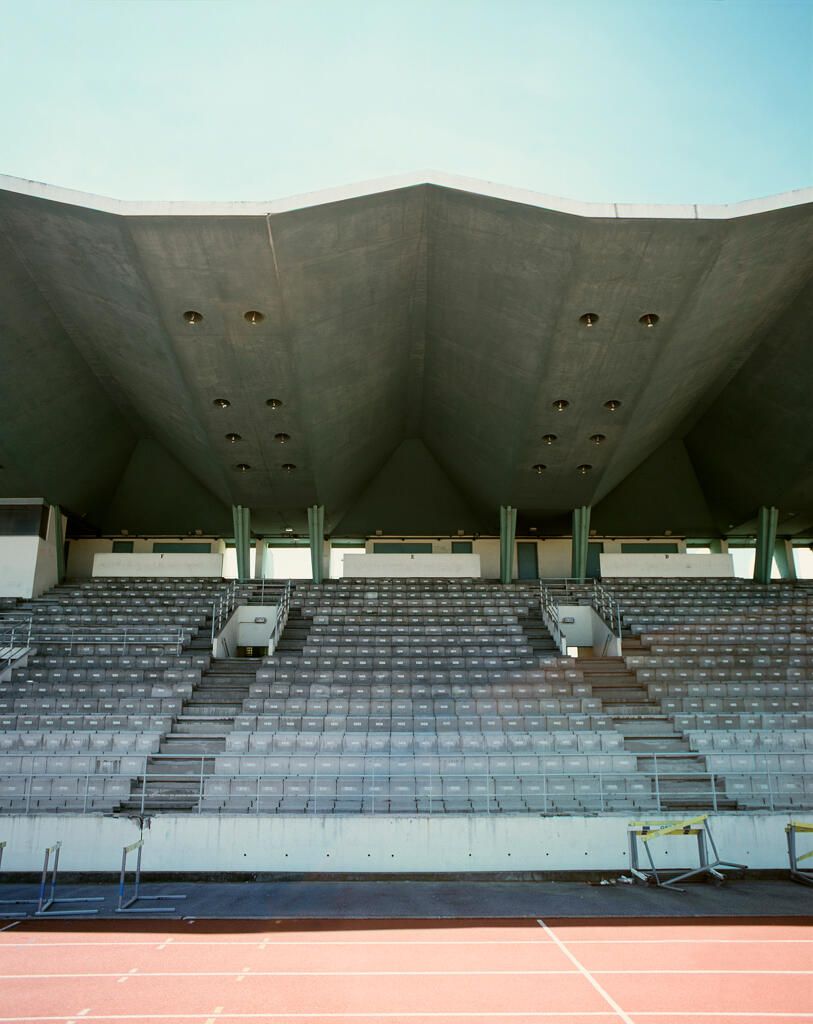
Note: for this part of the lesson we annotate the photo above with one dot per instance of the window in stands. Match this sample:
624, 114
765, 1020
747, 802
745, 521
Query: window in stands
122, 547
406, 548
461, 547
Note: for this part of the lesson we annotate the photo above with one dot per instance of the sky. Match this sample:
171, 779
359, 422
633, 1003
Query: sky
705, 101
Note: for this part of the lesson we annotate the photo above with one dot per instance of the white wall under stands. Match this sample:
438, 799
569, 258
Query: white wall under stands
370, 842
656, 565
28, 565
157, 565
397, 566
588, 629
243, 629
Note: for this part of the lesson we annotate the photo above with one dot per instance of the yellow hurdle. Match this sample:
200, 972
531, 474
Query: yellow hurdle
791, 831
645, 831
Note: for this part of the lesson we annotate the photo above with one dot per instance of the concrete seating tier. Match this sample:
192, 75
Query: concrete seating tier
101, 687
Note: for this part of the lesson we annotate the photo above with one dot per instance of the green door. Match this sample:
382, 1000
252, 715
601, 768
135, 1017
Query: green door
593, 562
527, 567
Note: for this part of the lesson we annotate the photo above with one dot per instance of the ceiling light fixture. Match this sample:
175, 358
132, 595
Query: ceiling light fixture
288, 529
598, 438
289, 467
584, 469
549, 438
539, 468
253, 317
648, 319
612, 405
282, 438
243, 467
561, 404
192, 317
274, 403
233, 438
588, 319
222, 403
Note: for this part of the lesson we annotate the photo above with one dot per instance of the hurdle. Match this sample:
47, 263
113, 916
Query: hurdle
126, 906
9, 903
45, 903
646, 831
803, 875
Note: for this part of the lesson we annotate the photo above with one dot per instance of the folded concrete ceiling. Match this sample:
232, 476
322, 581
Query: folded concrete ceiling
442, 312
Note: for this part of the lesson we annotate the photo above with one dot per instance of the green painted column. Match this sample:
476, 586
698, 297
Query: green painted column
316, 532
508, 531
581, 539
59, 541
766, 542
242, 539
783, 553
260, 548
716, 546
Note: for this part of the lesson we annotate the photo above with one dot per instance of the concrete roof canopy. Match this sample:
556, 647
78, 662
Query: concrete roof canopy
417, 332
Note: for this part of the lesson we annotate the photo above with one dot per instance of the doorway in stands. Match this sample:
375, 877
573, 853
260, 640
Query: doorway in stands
527, 565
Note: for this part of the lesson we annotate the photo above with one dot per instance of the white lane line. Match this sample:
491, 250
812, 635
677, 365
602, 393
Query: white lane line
211, 1020
239, 975
76, 1016
408, 942
165, 943
587, 975
282, 1016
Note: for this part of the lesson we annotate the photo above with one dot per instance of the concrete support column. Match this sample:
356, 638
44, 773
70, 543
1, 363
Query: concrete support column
766, 542
242, 539
316, 532
508, 531
718, 546
59, 541
783, 553
581, 538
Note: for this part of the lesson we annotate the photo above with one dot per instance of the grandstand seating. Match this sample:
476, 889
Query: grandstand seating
410, 696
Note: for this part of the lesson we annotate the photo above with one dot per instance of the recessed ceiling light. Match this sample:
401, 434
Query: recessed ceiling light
532, 529
598, 438
561, 404
549, 438
222, 403
282, 438
275, 403
243, 467
288, 529
584, 468
648, 319
233, 438
612, 405
253, 317
192, 317
588, 319
289, 467
539, 467
198, 533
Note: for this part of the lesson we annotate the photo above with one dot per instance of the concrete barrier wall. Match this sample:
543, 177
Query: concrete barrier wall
446, 843
667, 565
157, 565
398, 566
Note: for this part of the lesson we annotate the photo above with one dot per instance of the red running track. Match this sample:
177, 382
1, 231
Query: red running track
556, 971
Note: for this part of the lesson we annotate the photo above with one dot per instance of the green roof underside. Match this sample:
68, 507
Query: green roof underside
417, 337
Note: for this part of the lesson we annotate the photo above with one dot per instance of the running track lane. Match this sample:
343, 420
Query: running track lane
651, 971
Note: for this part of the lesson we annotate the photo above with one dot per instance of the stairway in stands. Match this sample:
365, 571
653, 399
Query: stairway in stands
646, 729
537, 633
206, 718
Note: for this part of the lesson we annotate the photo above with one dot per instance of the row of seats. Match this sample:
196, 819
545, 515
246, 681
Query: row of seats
561, 742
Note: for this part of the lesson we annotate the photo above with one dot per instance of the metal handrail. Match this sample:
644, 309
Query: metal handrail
549, 608
15, 634
374, 770
71, 636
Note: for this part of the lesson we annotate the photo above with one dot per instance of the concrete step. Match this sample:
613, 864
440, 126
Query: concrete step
654, 745
202, 725
209, 743
649, 725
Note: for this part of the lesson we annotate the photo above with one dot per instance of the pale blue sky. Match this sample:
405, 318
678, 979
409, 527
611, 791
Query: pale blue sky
620, 100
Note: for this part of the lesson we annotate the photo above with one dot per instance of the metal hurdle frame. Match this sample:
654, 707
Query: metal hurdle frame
699, 827
8, 903
803, 875
44, 903
125, 906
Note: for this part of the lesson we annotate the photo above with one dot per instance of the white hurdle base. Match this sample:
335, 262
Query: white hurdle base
126, 905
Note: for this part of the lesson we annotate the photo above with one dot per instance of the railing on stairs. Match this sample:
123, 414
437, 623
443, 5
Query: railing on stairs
15, 638
582, 591
253, 592
549, 607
